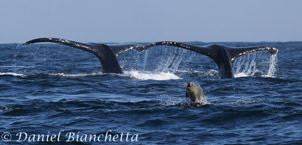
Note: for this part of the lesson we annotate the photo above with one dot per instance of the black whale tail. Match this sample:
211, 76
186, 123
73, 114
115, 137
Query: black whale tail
75, 44
106, 54
222, 55
239, 51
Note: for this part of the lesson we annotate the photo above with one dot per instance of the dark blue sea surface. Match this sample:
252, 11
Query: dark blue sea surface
52, 88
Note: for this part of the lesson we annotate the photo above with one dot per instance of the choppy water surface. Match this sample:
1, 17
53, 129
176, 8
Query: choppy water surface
48, 88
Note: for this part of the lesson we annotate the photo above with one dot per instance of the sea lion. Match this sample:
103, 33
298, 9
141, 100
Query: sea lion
196, 95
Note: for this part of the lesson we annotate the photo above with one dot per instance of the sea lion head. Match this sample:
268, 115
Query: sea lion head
195, 93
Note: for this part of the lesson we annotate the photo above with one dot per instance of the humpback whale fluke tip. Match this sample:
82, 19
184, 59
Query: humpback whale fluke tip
274, 50
26, 43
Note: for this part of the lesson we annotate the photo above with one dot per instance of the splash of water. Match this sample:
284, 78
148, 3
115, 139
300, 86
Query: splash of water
272, 66
141, 75
145, 59
151, 75
172, 58
177, 60
249, 65
245, 66
168, 58
252, 66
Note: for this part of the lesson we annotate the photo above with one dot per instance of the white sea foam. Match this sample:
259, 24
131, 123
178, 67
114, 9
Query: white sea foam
75, 75
241, 74
240, 102
11, 74
152, 75
209, 73
141, 75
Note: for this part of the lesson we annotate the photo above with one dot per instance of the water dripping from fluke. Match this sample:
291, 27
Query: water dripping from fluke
272, 66
255, 65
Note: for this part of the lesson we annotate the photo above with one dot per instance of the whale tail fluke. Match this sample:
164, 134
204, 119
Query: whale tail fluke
222, 55
239, 51
203, 50
65, 42
117, 49
123, 48
103, 52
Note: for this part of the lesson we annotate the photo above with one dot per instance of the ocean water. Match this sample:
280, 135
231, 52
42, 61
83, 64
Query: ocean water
55, 90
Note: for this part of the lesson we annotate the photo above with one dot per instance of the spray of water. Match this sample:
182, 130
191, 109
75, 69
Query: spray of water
272, 66
250, 65
168, 58
152, 75
178, 60
145, 59
171, 58
166, 61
